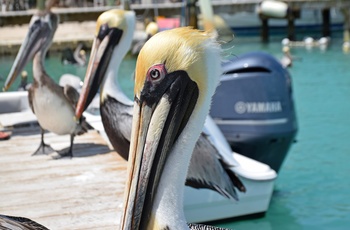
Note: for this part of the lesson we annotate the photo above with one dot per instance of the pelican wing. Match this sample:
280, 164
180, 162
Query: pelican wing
30, 98
71, 94
208, 170
117, 120
20, 223
72, 97
125, 126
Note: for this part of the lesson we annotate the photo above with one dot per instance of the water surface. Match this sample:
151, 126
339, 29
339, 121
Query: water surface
312, 189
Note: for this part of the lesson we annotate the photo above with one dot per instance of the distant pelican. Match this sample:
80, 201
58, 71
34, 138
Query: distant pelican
52, 104
115, 28
77, 57
24, 85
177, 72
287, 58
151, 29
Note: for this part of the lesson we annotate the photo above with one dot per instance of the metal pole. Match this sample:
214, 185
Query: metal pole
126, 4
40, 4
207, 15
191, 14
291, 29
264, 29
326, 21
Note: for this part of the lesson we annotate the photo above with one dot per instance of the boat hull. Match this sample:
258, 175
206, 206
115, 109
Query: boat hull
203, 205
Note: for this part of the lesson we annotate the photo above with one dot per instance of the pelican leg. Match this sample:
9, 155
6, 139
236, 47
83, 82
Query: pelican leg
43, 149
68, 153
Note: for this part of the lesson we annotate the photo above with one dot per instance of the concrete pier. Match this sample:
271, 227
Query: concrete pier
294, 9
68, 35
164, 7
11, 37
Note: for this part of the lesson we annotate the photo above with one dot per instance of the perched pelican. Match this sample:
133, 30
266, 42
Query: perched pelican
176, 74
113, 38
114, 32
151, 29
52, 104
24, 85
77, 57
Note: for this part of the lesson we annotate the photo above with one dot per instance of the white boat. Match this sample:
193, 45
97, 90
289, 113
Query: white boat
201, 205
205, 205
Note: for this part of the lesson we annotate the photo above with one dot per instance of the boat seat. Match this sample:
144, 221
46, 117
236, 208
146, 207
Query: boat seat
15, 109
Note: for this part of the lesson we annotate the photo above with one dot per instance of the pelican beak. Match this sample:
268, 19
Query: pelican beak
101, 53
160, 114
33, 42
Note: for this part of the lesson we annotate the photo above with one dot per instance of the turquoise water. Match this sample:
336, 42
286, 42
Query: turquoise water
312, 189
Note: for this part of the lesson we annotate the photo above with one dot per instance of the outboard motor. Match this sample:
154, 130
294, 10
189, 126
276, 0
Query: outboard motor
254, 108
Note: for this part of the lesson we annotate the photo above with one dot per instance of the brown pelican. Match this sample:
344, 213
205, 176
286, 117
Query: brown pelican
52, 104
209, 169
176, 74
113, 38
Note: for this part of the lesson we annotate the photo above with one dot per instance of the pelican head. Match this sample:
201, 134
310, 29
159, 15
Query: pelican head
176, 74
152, 28
42, 27
114, 31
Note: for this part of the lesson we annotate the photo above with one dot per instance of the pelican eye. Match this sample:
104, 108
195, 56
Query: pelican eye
156, 72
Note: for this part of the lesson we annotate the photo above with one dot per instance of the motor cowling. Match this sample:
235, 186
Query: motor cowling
254, 108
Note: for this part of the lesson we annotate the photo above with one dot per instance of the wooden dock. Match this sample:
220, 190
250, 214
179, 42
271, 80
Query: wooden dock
85, 192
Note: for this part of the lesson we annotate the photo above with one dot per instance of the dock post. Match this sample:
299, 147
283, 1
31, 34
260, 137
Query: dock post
40, 4
191, 14
346, 28
264, 29
346, 32
293, 13
326, 32
291, 28
126, 4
